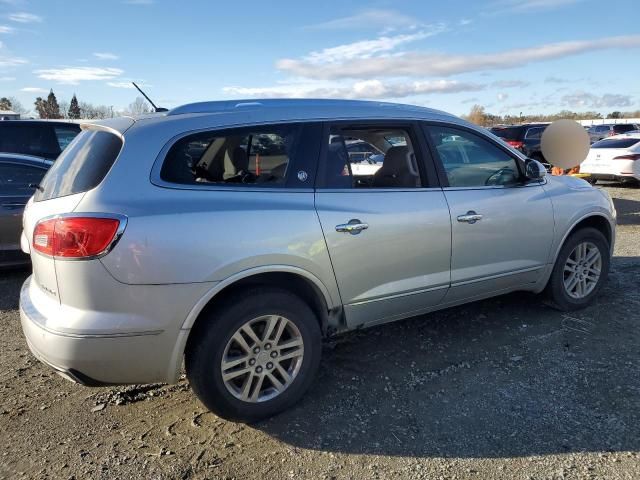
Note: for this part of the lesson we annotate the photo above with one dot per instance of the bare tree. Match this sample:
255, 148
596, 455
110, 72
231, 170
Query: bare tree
17, 107
138, 107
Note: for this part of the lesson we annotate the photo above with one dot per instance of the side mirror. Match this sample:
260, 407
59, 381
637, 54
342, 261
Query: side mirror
534, 170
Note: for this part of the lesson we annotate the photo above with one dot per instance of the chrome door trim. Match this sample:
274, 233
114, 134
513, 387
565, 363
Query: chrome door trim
499, 275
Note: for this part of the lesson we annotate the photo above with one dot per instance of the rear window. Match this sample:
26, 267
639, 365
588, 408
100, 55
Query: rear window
39, 139
82, 165
508, 133
623, 128
616, 143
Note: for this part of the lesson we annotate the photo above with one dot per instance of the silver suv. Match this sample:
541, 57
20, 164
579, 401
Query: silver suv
235, 235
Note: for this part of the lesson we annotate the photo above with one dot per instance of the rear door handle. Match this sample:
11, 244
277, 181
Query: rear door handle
470, 217
354, 227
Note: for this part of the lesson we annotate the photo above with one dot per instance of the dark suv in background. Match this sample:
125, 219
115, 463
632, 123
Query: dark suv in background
525, 138
39, 138
599, 132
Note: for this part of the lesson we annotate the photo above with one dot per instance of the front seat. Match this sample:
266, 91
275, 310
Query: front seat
397, 170
238, 171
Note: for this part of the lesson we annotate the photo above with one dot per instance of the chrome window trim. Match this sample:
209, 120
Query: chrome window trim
123, 219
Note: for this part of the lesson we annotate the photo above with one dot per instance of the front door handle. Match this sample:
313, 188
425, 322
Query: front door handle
470, 217
354, 227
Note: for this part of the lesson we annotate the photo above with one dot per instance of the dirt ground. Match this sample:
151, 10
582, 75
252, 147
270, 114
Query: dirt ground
503, 388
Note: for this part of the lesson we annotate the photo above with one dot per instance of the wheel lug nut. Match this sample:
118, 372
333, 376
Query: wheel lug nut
267, 346
256, 350
274, 354
252, 362
269, 365
258, 369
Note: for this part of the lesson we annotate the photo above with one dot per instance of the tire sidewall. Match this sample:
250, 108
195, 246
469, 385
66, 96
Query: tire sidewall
558, 291
204, 364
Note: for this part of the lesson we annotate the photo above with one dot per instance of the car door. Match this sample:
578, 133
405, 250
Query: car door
15, 192
388, 231
502, 226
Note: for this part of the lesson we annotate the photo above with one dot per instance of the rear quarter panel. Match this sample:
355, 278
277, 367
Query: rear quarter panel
179, 235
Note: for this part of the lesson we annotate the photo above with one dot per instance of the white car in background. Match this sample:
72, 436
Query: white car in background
614, 158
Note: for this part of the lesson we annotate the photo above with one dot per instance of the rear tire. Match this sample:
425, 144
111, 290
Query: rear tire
240, 336
580, 270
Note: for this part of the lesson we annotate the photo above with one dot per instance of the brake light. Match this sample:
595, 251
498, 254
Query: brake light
612, 133
76, 237
515, 143
631, 156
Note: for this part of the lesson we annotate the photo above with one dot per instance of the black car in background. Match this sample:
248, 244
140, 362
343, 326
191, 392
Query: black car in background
19, 176
40, 138
525, 138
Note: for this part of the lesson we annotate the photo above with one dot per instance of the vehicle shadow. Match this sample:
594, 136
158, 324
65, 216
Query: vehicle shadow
11, 280
499, 378
628, 211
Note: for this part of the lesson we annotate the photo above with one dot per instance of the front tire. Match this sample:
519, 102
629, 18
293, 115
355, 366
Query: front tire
255, 355
580, 270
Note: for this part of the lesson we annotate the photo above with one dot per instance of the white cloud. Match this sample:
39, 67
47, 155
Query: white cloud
370, 18
510, 83
6, 29
367, 89
465, 21
74, 75
589, 100
138, 2
24, 17
531, 5
430, 64
127, 84
552, 79
7, 62
367, 48
470, 100
34, 90
7, 79
106, 55
502, 97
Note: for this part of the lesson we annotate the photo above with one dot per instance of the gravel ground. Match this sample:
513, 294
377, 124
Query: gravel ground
503, 388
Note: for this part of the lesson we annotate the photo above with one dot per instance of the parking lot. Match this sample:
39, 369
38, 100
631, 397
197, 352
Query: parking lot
503, 388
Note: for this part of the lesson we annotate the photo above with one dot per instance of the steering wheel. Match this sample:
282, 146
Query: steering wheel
496, 177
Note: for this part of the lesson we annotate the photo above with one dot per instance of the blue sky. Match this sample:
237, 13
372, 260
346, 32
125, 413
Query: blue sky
511, 56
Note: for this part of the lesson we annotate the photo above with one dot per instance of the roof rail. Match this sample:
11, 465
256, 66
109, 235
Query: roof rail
228, 105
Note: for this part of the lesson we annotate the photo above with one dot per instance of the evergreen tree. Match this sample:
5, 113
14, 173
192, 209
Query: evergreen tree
74, 108
53, 109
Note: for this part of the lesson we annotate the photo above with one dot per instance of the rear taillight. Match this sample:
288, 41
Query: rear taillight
631, 156
612, 133
77, 236
515, 143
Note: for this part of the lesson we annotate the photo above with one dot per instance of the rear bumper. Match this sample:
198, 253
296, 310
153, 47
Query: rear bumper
613, 177
96, 359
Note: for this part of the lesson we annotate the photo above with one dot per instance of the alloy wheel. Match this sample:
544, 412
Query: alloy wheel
582, 270
262, 358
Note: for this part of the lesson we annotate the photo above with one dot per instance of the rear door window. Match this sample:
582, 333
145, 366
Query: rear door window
534, 133
82, 166
257, 156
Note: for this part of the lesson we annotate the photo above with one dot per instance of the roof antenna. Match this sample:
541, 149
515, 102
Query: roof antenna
157, 109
